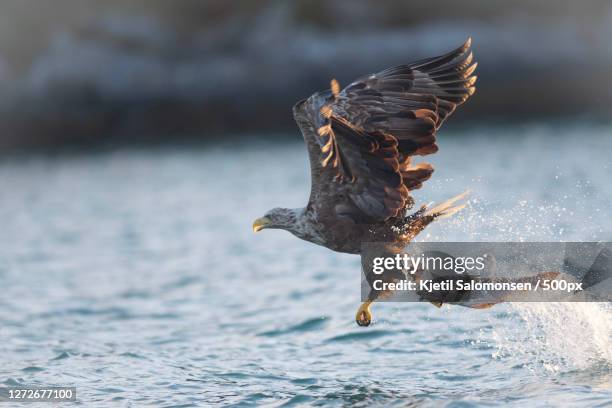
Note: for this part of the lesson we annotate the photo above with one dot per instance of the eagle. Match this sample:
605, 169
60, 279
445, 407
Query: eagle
362, 141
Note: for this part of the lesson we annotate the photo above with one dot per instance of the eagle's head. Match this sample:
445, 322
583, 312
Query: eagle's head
279, 218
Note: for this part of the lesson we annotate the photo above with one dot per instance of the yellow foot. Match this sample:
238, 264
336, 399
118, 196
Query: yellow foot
364, 316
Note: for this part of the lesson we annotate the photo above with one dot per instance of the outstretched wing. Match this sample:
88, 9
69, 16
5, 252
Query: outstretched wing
363, 137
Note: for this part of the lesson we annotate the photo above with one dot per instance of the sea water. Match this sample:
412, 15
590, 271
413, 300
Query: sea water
134, 275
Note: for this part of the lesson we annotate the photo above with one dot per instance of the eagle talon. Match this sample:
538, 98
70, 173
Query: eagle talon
364, 316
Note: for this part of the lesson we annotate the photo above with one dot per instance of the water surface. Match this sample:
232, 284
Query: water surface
134, 275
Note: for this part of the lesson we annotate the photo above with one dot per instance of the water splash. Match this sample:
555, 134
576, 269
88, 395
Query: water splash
556, 337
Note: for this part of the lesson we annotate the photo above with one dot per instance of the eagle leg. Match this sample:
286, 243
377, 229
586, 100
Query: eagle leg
363, 317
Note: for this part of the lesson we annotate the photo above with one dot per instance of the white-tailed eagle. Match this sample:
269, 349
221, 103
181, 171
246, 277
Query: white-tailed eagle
361, 143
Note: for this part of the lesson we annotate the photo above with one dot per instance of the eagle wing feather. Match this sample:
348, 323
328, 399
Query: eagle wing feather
362, 138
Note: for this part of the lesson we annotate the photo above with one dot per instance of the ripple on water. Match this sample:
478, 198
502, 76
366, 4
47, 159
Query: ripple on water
130, 354
305, 326
447, 376
32, 369
297, 400
304, 381
61, 356
361, 335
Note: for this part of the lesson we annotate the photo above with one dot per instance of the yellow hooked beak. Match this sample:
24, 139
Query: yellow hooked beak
260, 223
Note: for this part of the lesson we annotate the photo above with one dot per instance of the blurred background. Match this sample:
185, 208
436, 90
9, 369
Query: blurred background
139, 139
83, 72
